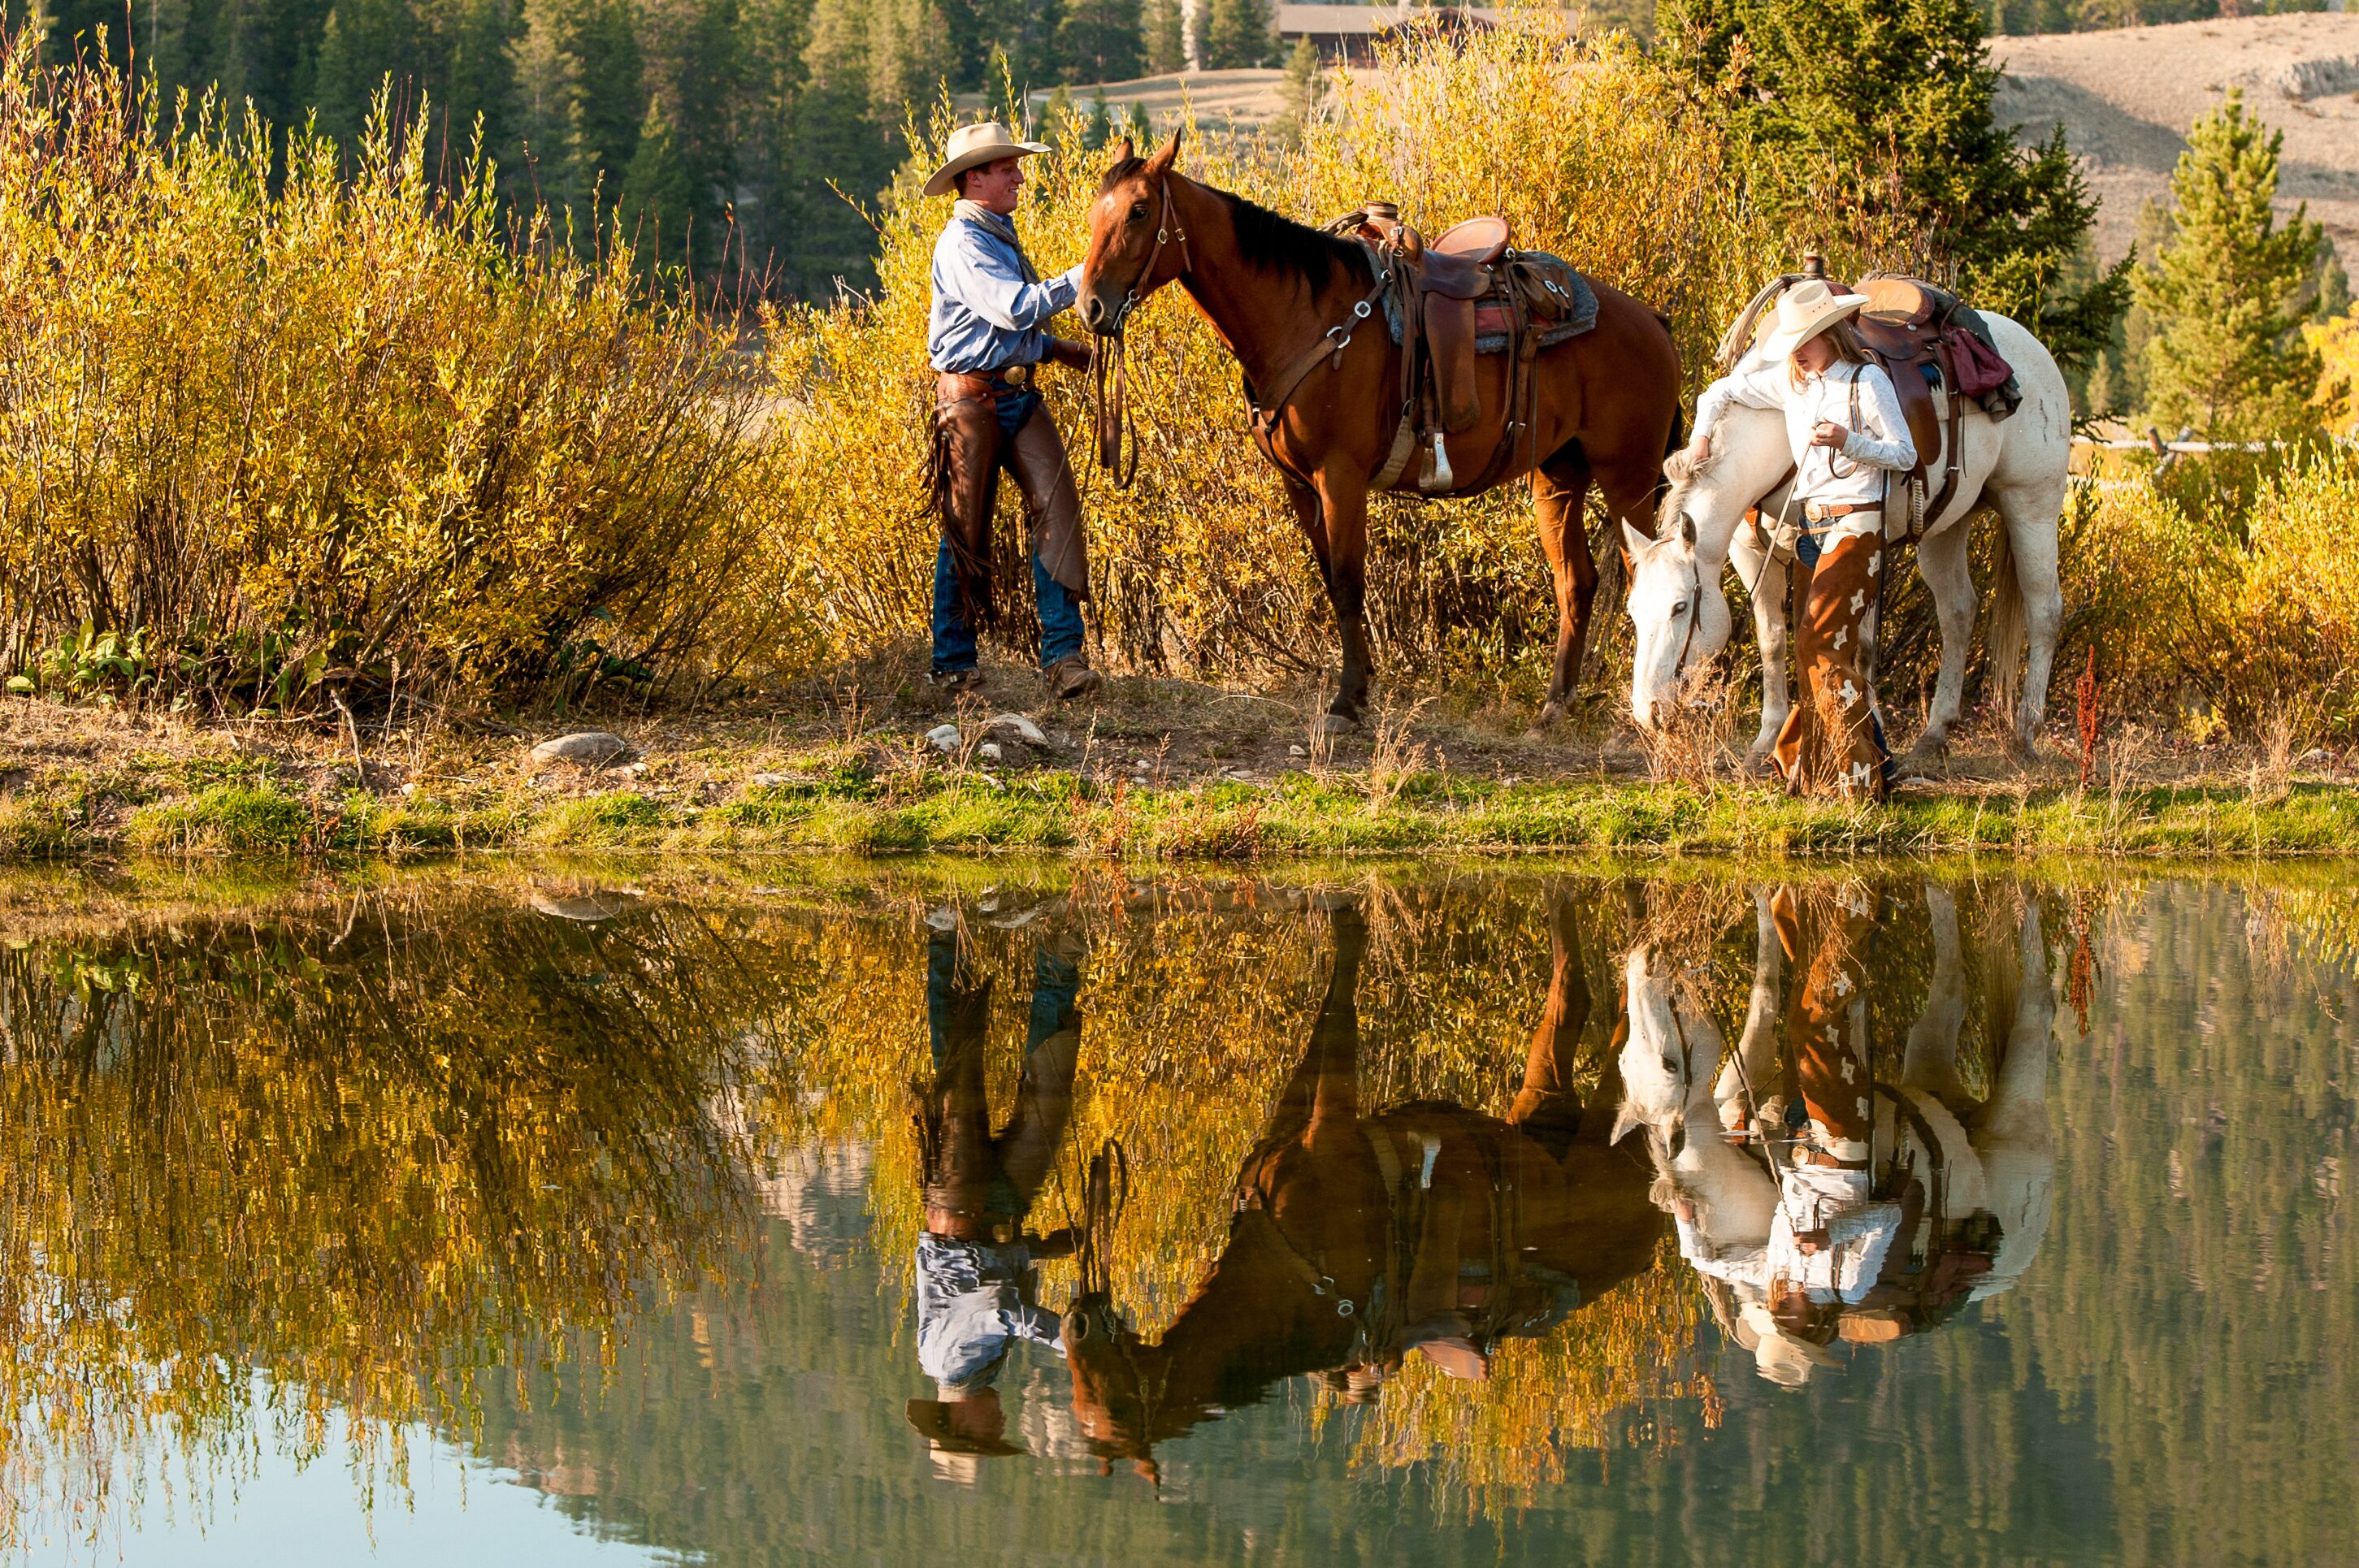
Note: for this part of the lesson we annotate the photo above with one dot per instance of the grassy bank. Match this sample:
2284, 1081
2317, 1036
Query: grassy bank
1143, 776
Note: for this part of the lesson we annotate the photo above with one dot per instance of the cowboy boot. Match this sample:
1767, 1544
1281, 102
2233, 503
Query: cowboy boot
1072, 677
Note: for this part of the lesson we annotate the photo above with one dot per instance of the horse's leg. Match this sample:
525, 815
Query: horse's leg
1547, 1105
1931, 1061
1766, 576
1559, 494
1756, 1057
1334, 1061
1941, 563
2010, 1132
2030, 512
1343, 508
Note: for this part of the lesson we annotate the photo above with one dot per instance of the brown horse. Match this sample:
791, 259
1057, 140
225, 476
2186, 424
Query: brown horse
1355, 1239
1604, 403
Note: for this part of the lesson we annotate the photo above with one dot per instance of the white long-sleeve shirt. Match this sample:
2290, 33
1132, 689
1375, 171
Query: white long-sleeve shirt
1879, 439
1860, 1232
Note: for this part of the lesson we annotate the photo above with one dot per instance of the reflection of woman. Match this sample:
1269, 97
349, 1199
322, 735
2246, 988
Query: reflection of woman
1895, 1204
976, 1282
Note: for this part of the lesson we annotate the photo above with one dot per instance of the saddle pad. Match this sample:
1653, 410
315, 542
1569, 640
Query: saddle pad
1579, 319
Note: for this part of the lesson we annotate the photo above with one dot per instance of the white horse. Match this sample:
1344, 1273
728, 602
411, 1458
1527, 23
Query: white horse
2017, 465
1668, 1065
1993, 1156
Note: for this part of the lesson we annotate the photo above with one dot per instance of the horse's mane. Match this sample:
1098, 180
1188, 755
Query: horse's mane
1269, 241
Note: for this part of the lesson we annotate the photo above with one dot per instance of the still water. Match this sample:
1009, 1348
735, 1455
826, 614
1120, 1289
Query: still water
1315, 1217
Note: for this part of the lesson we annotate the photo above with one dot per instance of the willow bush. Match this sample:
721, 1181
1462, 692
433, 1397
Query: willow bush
274, 412
2246, 617
1200, 567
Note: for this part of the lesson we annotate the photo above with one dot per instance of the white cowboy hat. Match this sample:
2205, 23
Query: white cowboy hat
1786, 1359
1804, 311
972, 146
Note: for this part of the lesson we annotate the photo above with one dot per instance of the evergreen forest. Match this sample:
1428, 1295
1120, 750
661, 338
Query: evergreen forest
735, 133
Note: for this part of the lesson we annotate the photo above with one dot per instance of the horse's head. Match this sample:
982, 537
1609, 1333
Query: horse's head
1115, 1389
1678, 612
1135, 242
1659, 1065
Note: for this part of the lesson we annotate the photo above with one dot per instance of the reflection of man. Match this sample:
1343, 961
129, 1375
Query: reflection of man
976, 1282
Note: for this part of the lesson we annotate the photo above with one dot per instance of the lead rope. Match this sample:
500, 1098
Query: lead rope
1110, 385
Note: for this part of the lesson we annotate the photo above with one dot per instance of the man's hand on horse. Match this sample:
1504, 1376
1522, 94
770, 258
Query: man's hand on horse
1070, 354
1829, 433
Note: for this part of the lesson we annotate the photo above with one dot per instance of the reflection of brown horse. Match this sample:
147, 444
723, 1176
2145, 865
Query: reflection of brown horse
1355, 1240
1604, 404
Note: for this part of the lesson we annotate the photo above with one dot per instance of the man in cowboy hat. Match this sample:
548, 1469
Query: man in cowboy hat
985, 337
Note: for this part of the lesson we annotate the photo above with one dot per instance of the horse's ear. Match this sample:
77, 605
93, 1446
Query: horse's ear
1124, 152
1165, 156
1687, 531
1633, 543
1624, 1119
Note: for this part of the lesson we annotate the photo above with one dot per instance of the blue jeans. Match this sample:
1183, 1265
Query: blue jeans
1060, 611
1060, 618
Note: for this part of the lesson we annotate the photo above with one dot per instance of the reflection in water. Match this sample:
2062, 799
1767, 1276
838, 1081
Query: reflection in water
1481, 1196
1817, 1201
1358, 1239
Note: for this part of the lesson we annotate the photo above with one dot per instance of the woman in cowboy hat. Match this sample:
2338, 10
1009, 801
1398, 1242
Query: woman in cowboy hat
986, 338
1844, 421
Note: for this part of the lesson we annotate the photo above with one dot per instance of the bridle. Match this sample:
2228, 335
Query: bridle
1110, 389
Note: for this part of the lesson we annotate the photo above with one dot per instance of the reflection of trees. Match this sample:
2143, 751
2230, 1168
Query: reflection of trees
371, 1162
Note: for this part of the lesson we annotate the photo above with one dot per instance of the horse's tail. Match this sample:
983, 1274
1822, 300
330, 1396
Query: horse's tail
2004, 644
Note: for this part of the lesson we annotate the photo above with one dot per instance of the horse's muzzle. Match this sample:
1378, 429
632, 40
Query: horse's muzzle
1094, 314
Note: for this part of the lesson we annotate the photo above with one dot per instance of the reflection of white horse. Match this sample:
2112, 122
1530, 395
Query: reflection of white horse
2017, 465
1993, 1156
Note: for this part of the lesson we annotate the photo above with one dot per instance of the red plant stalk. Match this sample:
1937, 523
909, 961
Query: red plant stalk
2091, 715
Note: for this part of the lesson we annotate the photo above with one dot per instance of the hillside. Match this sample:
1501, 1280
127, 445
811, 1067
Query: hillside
2125, 98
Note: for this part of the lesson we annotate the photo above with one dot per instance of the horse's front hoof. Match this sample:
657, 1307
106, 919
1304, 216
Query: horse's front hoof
1333, 724
1552, 714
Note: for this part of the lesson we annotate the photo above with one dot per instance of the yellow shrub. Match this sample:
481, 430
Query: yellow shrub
280, 424
2258, 622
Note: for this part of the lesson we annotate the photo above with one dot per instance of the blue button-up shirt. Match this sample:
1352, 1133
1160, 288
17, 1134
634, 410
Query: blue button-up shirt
986, 317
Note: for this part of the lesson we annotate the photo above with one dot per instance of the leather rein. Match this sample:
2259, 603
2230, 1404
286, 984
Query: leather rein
1110, 387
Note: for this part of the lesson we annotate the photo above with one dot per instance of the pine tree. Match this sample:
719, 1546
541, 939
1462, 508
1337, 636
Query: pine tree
2101, 398
842, 147
656, 208
366, 47
1099, 130
1306, 81
1239, 34
1100, 41
543, 155
1166, 38
610, 93
2231, 290
1880, 109
481, 82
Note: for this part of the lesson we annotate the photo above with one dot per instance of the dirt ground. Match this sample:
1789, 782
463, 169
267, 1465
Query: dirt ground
1142, 732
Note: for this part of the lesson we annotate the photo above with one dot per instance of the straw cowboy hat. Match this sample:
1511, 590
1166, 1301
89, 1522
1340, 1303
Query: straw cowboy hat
972, 146
1804, 311
934, 1418
1786, 1359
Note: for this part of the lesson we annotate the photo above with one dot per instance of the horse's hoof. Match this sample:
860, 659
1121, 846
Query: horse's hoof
1552, 715
2022, 753
1333, 724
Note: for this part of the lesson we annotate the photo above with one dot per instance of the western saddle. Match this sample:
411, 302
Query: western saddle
1926, 337
1446, 301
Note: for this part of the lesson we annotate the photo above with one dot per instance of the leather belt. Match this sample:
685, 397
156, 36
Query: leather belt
1818, 513
951, 385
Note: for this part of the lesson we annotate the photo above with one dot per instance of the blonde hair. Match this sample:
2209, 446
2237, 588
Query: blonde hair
1843, 336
